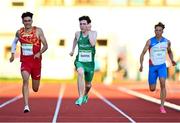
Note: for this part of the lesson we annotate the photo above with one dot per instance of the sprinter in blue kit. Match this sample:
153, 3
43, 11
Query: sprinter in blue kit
158, 47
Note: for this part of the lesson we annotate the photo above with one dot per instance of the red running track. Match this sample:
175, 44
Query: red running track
55, 103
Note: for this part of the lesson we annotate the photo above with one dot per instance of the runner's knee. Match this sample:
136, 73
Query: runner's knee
162, 83
35, 89
35, 85
152, 88
80, 71
88, 85
25, 82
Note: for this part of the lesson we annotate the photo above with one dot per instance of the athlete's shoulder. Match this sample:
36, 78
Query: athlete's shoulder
77, 34
20, 30
37, 28
148, 42
165, 39
94, 32
168, 42
152, 38
17, 33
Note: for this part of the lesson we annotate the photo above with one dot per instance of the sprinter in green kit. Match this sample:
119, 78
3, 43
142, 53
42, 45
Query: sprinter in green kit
84, 63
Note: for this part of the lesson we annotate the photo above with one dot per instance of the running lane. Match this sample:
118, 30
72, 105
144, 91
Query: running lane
139, 109
94, 111
42, 105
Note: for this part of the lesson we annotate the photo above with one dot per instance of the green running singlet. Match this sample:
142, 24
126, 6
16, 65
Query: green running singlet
85, 57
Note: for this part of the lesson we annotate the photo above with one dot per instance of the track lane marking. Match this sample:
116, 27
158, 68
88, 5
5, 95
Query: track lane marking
10, 101
148, 98
112, 105
14, 99
61, 93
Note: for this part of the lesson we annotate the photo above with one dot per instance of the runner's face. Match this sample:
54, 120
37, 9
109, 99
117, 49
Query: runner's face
89, 27
83, 25
158, 31
27, 21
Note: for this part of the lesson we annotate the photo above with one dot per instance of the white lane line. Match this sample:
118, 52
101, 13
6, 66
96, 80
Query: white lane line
13, 99
112, 105
10, 101
61, 93
148, 98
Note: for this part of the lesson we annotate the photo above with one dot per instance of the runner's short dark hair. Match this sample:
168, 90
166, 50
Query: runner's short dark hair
85, 18
160, 24
27, 14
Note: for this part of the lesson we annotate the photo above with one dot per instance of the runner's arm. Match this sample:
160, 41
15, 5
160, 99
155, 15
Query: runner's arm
43, 40
92, 37
14, 43
13, 47
77, 34
146, 47
170, 53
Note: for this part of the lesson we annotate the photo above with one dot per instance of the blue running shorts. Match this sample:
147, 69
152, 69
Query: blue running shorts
156, 71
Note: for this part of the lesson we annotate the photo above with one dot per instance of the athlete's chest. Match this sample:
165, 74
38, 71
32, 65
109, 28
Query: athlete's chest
159, 46
83, 42
29, 37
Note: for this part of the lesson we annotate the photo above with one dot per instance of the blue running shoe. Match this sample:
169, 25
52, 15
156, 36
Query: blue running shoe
79, 101
85, 98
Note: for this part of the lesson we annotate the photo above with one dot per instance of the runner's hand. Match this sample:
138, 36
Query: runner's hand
141, 68
71, 53
173, 63
11, 59
37, 55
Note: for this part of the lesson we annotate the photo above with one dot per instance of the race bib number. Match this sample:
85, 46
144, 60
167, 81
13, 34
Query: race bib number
158, 56
27, 49
85, 56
